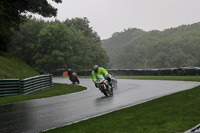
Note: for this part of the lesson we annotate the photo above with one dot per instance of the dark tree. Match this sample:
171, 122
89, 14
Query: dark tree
13, 13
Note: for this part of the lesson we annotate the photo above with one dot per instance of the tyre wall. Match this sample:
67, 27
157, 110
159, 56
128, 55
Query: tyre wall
182, 71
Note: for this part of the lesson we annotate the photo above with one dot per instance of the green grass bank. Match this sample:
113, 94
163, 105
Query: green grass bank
12, 67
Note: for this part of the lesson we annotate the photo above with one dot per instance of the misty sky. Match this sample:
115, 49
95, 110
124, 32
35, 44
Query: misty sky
110, 16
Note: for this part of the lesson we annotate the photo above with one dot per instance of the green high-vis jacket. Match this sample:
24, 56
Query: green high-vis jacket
101, 72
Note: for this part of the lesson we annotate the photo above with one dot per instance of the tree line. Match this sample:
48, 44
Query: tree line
48, 46
137, 49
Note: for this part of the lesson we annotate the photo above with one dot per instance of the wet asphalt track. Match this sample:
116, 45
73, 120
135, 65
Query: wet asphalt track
42, 114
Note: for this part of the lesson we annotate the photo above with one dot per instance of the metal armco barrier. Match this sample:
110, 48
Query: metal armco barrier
24, 86
182, 71
9, 87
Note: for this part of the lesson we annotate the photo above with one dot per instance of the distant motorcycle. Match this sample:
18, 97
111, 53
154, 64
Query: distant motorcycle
104, 86
74, 78
113, 80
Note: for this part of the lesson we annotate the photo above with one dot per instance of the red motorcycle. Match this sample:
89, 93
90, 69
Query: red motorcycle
74, 78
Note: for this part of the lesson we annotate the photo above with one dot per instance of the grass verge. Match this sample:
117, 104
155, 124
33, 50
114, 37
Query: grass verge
57, 89
169, 114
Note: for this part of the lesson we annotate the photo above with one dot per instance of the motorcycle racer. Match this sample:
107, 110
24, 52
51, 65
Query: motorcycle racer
71, 74
98, 72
